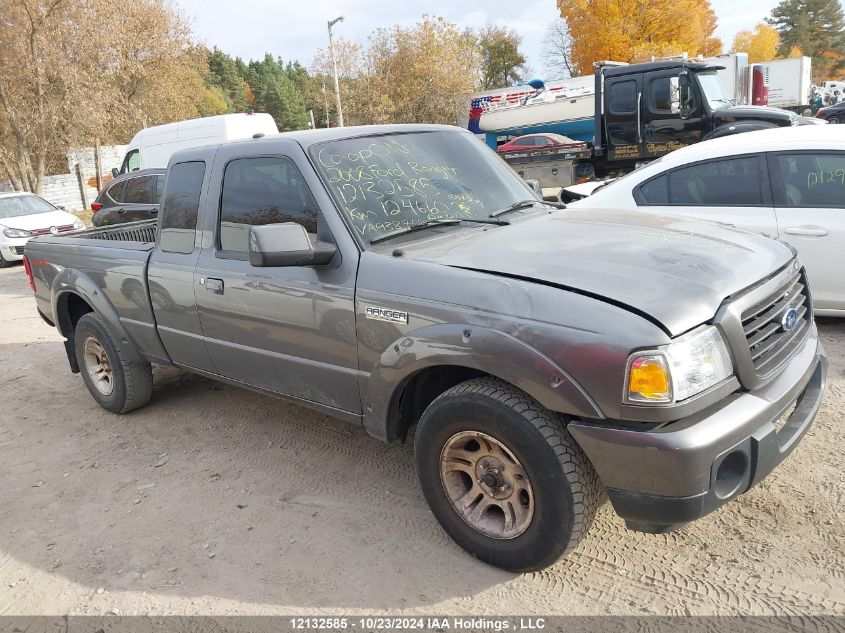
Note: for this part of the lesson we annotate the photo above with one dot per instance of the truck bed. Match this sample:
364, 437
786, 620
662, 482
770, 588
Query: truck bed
143, 232
108, 265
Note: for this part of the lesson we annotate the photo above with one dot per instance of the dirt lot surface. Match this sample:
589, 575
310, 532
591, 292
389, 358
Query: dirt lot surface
214, 500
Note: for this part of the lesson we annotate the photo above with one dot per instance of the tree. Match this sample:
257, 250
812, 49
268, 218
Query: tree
422, 73
633, 30
818, 28
557, 51
66, 80
761, 44
275, 93
501, 62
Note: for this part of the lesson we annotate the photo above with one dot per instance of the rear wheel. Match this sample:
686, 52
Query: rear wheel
834, 120
503, 476
117, 384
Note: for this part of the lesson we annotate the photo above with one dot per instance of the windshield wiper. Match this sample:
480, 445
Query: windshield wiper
524, 204
430, 223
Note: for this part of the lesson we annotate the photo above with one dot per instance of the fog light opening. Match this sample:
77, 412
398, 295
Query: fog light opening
730, 474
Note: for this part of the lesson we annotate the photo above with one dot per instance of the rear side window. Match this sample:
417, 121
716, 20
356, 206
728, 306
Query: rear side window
730, 182
812, 180
116, 191
178, 216
623, 97
138, 191
259, 191
159, 188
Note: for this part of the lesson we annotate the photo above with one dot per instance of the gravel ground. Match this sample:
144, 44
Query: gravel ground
215, 500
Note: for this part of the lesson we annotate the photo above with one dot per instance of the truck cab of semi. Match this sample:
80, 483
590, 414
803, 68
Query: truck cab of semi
647, 110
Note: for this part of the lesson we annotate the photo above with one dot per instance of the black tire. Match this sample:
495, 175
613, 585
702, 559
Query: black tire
4, 263
565, 487
132, 383
834, 120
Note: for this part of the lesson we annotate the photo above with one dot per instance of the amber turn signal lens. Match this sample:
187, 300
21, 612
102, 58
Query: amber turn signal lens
648, 380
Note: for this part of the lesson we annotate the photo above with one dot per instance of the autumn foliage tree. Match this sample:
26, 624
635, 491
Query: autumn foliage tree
65, 79
423, 73
761, 44
635, 30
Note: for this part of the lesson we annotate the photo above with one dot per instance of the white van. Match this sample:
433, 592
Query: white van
153, 146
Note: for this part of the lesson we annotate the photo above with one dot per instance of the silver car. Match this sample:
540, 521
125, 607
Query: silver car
786, 183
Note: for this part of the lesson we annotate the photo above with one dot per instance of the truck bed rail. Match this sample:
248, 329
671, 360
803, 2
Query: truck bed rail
143, 231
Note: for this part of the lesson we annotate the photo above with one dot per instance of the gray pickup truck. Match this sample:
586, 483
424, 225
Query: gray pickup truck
405, 279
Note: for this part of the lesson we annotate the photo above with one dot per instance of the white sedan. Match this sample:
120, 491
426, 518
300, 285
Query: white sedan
786, 183
25, 215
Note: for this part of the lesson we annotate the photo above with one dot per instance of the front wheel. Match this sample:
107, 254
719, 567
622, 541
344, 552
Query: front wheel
503, 476
834, 120
117, 384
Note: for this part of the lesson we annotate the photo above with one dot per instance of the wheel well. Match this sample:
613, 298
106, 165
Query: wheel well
418, 391
71, 308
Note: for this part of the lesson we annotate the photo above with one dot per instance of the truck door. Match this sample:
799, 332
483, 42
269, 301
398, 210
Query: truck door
289, 330
622, 102
170, 275
671, 113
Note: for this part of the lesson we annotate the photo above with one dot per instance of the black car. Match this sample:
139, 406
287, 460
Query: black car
833, 114
129, 198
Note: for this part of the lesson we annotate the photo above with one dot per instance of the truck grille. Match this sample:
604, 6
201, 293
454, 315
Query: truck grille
769, 343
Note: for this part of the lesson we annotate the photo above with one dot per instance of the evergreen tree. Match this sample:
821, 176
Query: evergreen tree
817, 27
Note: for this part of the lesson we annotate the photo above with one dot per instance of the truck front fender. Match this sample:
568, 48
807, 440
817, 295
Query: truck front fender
485, 350
729, 129
74, 282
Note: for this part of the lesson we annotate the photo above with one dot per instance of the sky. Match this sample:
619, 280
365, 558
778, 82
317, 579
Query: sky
295, 29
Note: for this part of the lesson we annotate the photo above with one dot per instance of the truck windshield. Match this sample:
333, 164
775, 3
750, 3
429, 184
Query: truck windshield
385, 183
714, 91
28, 204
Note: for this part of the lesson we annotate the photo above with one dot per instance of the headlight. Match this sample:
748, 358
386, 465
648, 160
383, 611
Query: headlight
688, 365
78, 225
16, 233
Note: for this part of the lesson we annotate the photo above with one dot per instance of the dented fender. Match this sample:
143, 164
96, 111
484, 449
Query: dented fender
487, 350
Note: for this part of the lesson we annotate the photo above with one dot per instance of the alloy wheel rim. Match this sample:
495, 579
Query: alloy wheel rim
486, 485
98, 366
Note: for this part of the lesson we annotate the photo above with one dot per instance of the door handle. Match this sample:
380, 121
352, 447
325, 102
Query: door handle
213, 286
639, 120
812, 231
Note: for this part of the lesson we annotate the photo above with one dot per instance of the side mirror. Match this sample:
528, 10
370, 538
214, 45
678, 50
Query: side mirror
286, 244
115, 172
535, 186
675, 94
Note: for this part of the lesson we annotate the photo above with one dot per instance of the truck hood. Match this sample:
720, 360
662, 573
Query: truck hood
673, 271
736, 114
38, 220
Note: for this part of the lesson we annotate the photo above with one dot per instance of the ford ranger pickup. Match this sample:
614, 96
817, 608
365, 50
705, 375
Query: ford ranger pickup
405, 279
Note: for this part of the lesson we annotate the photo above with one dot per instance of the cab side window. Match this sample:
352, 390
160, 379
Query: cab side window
623, 97
258, 191
178, 217
812, 180
660, 95
728, 182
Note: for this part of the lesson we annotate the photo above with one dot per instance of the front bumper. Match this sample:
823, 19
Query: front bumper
13, 249
658, 480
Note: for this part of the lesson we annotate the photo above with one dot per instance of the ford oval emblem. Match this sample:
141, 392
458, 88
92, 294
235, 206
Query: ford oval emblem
789, 319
